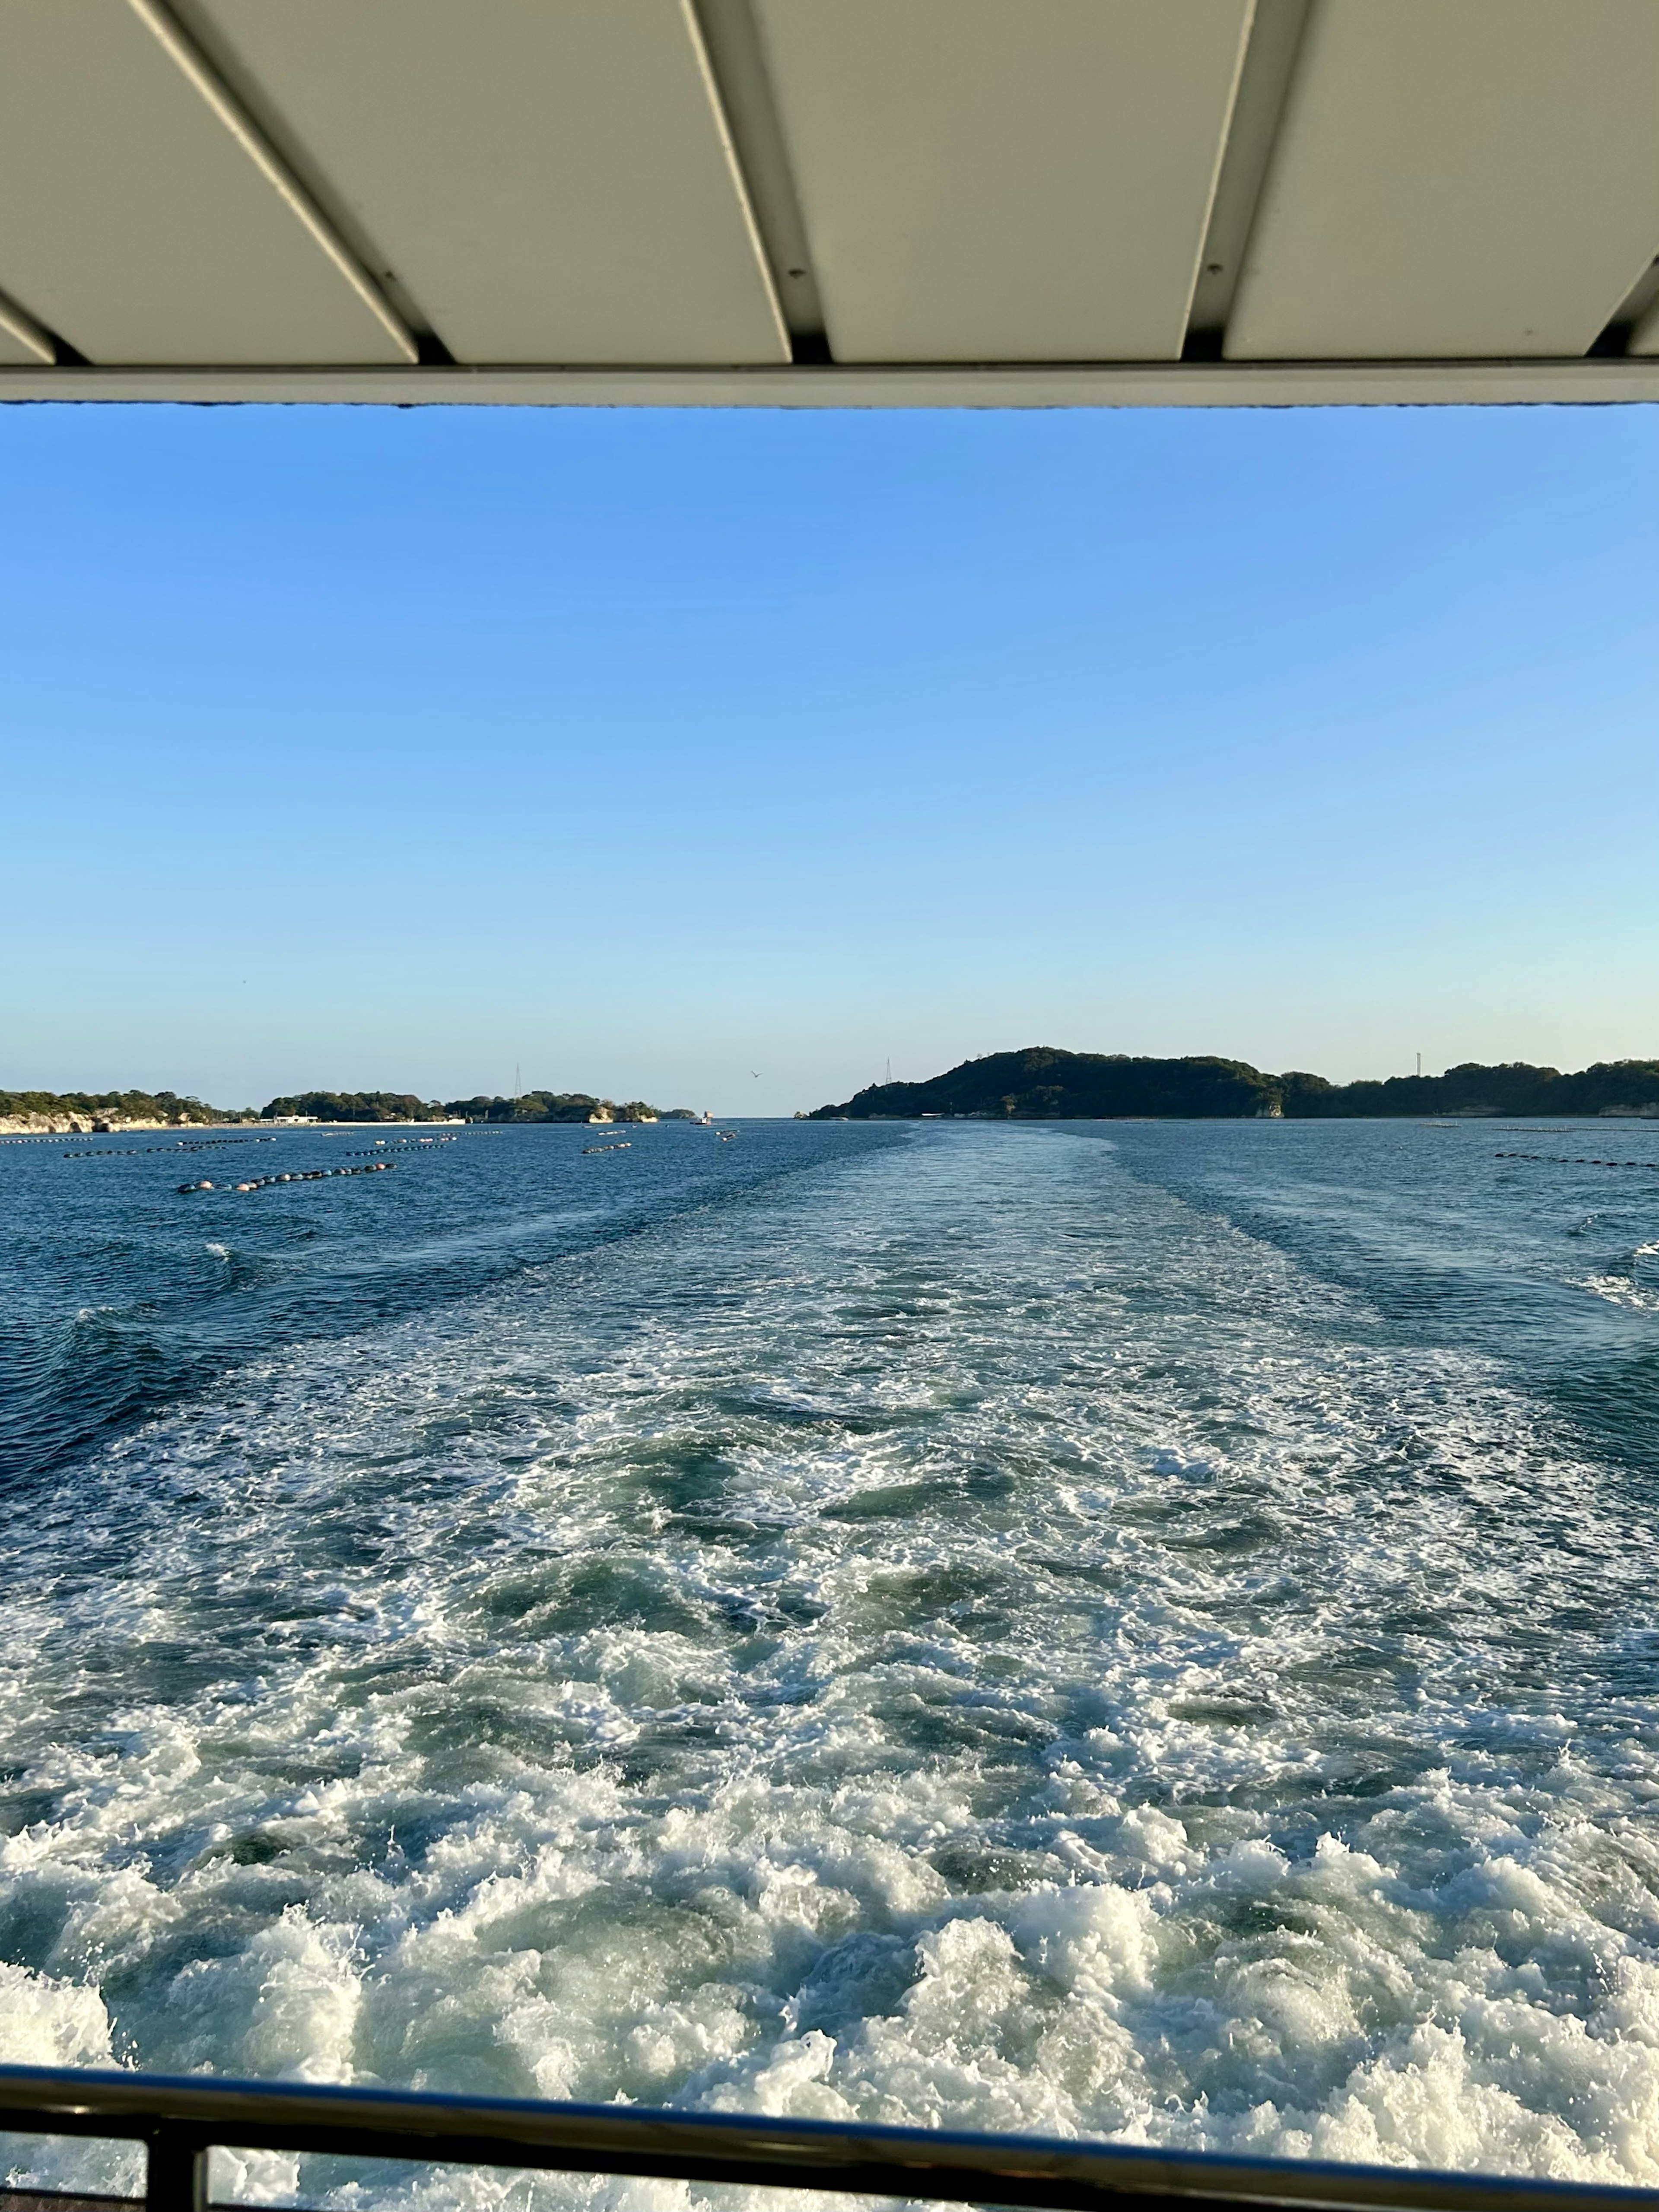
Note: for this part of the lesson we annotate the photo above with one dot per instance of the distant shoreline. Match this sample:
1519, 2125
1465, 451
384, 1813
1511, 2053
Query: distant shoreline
122, 1112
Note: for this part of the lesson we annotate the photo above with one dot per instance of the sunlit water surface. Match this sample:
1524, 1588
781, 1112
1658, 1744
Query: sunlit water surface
1142, 1631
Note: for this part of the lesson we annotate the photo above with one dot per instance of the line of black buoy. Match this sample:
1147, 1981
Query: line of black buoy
134, 1151
297, 1175
391, 1143
1561, 1160
204, 1143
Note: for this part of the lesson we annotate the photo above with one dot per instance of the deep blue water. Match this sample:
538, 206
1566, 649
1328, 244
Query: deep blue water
1137, 1629
117, 1294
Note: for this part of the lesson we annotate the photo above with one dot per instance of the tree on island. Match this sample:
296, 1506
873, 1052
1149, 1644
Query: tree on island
549, 1106
353, 1106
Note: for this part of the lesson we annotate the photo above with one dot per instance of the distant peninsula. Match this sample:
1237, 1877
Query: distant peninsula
70, 1113
110, 1113
1043, 1083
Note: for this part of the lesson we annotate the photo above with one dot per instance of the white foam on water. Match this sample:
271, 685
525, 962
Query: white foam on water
963, 1639
1631, 1280
1620, 1290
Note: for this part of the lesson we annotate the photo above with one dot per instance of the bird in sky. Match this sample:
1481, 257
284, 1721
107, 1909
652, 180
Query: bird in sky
755, 1072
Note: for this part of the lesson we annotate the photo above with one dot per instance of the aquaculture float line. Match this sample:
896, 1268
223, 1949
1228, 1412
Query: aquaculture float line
1563, 1160
133, 1151
298, 1175
390, 1144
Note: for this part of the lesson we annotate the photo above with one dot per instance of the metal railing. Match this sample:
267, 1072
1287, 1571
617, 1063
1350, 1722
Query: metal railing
180, 2119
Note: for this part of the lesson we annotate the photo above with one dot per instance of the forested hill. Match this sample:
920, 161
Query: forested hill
405, 1106
1043, 1084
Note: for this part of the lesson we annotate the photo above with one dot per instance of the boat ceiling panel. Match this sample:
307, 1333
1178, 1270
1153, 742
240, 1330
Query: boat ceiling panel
821, 203
133, 225
1456, 179
983, 181
547, 179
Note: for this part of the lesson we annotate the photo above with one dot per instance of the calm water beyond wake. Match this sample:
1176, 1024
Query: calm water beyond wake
1136, 1629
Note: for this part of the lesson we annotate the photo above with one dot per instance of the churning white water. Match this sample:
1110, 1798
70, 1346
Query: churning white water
963, 1636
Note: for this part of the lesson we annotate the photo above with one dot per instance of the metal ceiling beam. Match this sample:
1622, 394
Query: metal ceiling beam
1264, 82
19, 323
735, 59
194, 64
721, 109
1154, 384
1634, 327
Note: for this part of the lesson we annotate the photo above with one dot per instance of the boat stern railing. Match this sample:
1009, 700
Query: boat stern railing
180, 2119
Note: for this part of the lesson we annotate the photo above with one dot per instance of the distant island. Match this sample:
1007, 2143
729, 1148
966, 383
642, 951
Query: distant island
69, 1113
1043, 1083
403, 1106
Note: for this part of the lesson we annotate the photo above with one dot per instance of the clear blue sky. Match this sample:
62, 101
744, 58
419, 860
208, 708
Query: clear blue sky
397, 748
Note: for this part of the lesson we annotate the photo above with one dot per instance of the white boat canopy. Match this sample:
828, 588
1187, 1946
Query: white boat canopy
830, 203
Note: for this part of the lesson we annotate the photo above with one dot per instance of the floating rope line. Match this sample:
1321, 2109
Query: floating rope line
297, 1175
1562, 1160
205, 1144
133, 1151
391, 1143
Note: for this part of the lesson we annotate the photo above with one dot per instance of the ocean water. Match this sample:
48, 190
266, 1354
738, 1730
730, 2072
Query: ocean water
1144, 1631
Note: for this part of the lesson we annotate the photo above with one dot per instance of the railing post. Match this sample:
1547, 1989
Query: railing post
178, 2173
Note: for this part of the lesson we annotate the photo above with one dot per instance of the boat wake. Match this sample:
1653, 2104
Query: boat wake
961, 1637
